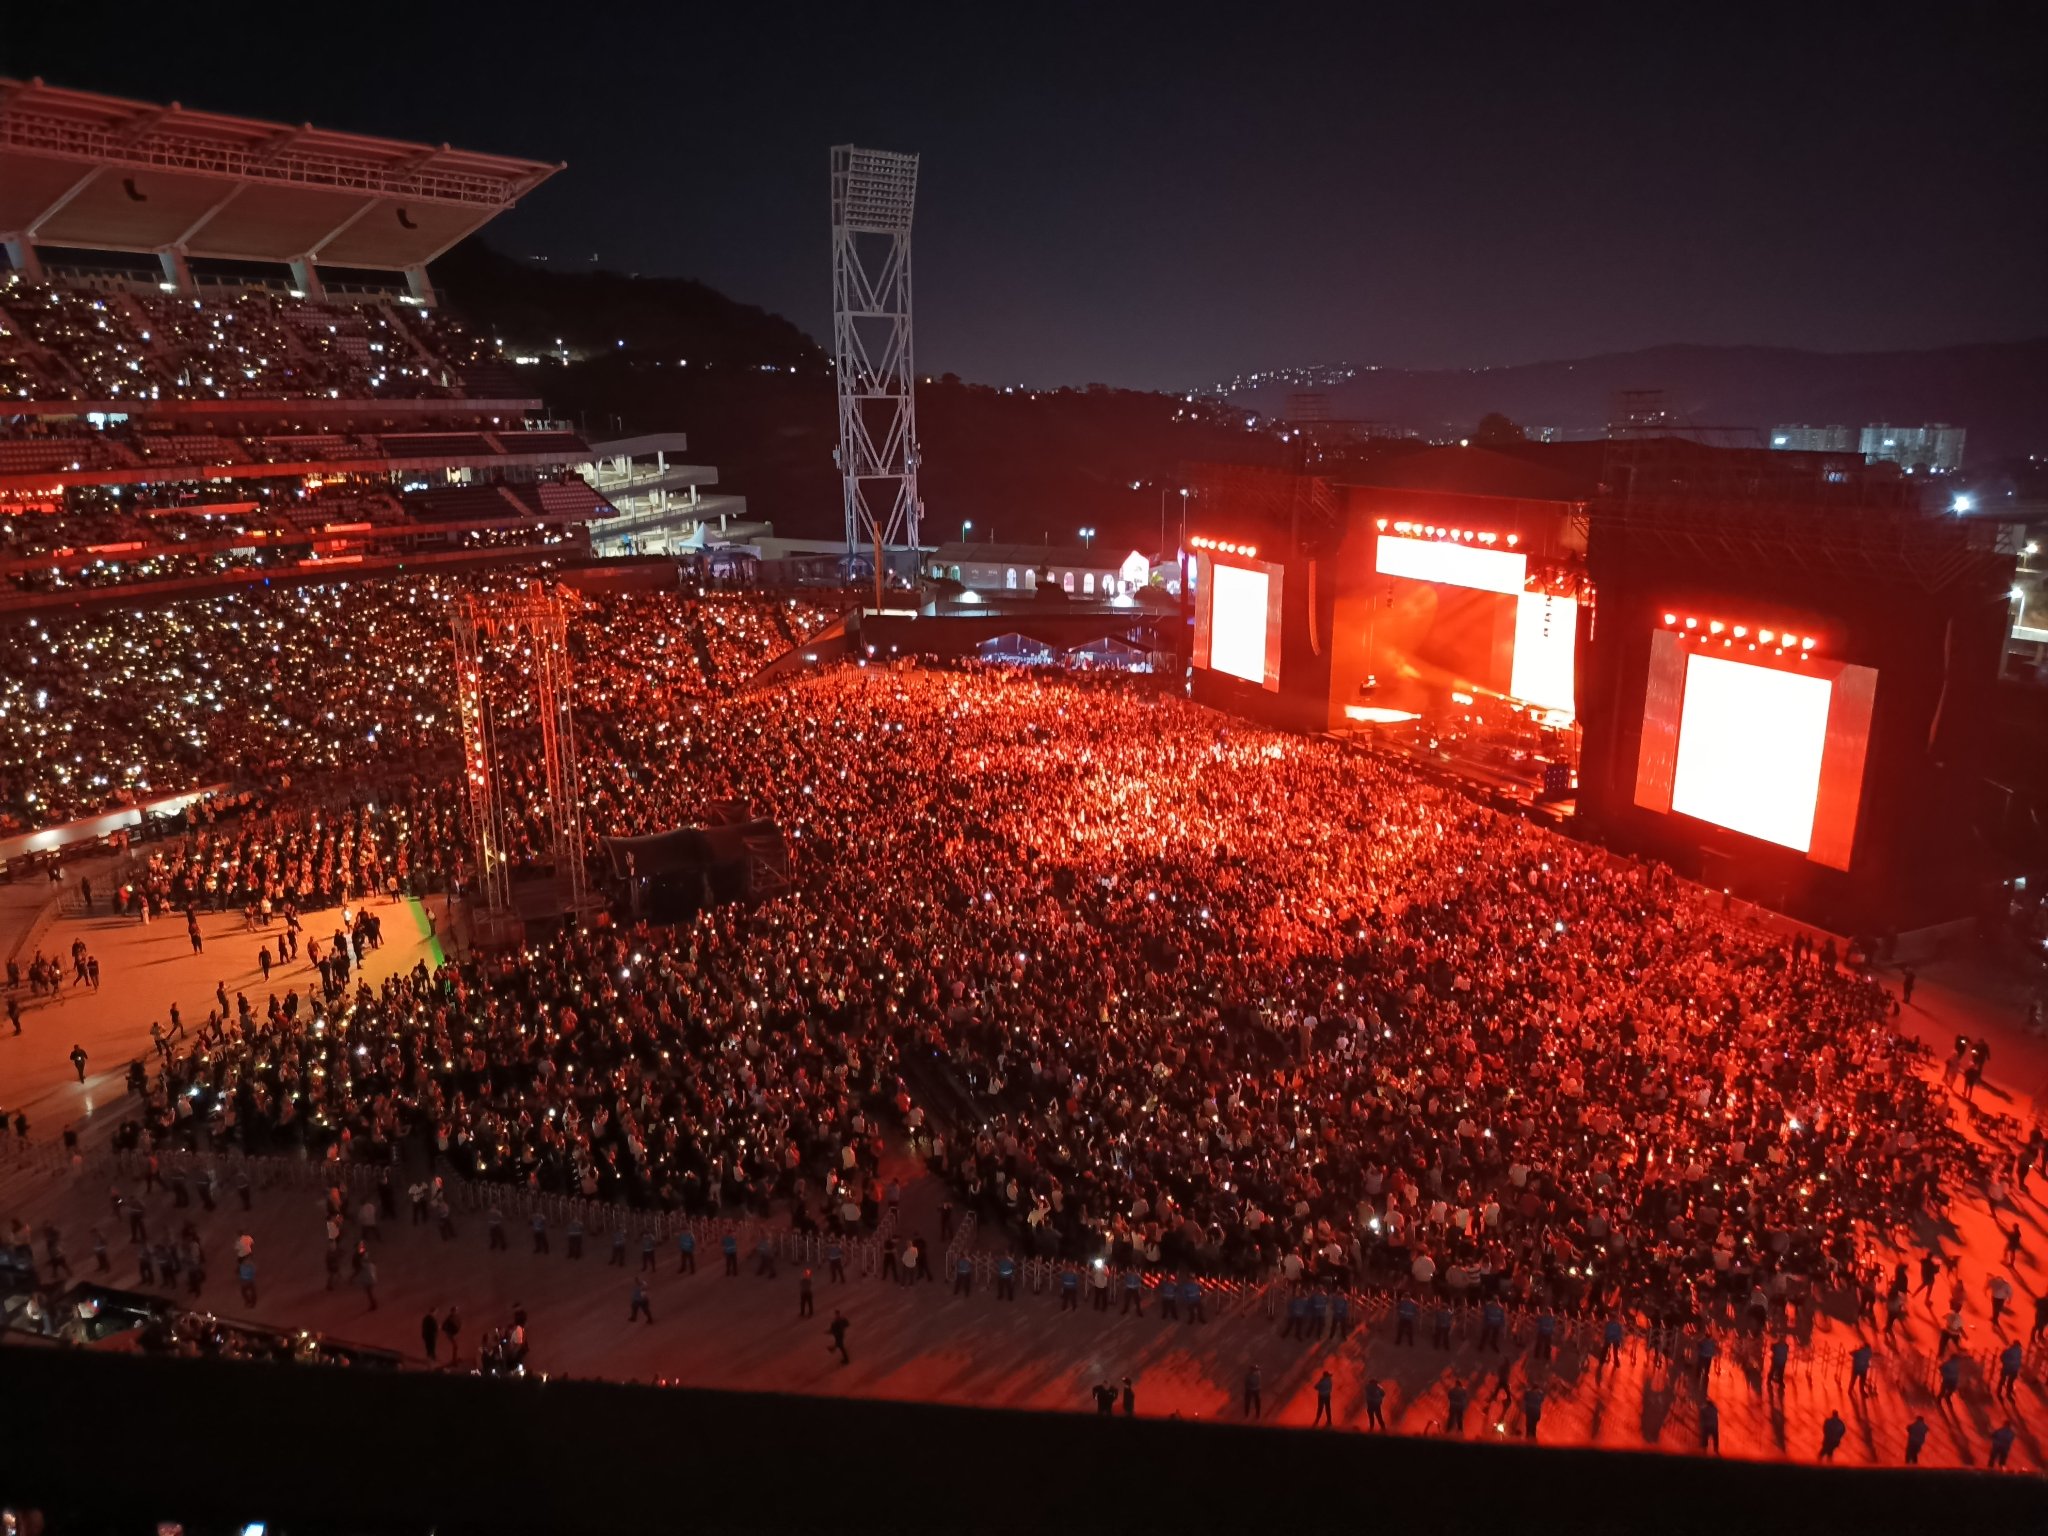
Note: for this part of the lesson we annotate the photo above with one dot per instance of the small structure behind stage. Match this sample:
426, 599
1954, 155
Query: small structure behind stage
671, 876
486, 624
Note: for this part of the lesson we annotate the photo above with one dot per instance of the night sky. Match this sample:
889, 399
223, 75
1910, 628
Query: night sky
1169, 197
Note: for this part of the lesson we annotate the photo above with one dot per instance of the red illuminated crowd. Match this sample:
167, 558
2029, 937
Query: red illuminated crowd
1144, 983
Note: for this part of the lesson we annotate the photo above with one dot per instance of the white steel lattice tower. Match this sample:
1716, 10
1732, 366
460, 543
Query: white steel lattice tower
873, 195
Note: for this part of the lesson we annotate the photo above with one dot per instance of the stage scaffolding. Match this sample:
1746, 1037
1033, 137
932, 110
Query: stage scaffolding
1697, 506
534, 624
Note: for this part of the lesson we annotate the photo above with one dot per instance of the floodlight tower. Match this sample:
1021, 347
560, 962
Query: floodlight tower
873, 194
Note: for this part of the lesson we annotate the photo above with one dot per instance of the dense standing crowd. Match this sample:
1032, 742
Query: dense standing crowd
1143, 983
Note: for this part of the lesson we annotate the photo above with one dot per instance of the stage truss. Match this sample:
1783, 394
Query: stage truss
484, 624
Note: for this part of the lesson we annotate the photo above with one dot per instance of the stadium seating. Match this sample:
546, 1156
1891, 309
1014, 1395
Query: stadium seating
427, 445
463, 503
149, 369
58, 342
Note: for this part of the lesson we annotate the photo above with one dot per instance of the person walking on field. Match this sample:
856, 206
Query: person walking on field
1375, 1404
838, 1333
78, 1060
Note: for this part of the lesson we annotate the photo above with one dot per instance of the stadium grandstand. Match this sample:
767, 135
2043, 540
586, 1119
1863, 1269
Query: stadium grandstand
221, 359
661, 500
1068, 1040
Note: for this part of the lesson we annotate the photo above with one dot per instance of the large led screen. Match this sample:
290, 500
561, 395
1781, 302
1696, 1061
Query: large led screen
1773, 750
1546, 650
1453, 565
1750, 742
1237, 621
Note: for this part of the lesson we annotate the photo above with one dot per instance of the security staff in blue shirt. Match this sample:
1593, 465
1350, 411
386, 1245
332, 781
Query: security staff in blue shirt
1546, 1333
1492, 1319
1297, 1317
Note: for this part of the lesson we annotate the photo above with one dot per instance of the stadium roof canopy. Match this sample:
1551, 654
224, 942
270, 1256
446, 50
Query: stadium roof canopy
103, 173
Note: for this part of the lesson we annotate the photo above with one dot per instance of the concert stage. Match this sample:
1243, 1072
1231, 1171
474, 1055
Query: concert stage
1773, 671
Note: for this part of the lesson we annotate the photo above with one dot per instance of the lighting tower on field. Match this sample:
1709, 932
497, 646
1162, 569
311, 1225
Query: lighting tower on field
531, 625
873, 194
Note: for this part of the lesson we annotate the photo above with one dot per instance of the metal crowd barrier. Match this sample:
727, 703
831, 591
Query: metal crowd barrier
1578, 1332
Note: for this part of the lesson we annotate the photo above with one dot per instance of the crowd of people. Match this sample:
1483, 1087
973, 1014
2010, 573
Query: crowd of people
1140, 984
337, 686
58, 341
1112, 964
114, 533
